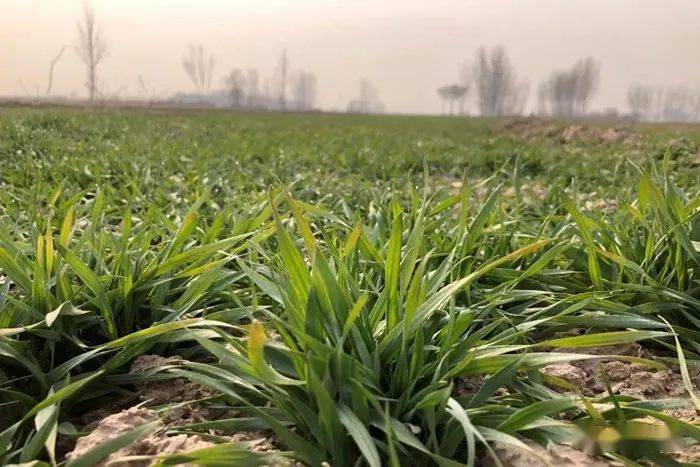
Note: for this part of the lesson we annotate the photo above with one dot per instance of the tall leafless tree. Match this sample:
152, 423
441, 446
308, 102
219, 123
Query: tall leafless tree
542, 99
34, 95
368, 100
659, 96
149, 94
91, 48
282, 71
695, 106
49, 84
304, 90
587, 75
639, 99
568, 93
498, 90
560, 92
252, 82
267, 91
677, 104
459, 96
199, 66
235, 83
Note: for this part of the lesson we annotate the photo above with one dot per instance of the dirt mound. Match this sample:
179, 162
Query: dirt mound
156, 442
610, 135
559, 455
121, 416
629, 379
261, 441
625, 378
143, 363
468, 385
532, 128
168, 390
568, 372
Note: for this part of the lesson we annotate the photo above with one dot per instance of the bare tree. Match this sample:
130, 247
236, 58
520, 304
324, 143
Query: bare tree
235, 83
267, 92
148, 93
49, 84
282, 71
568, 93
640, 100
695, 106
368, 100
109, 95
542, 91
199, 66
27, 93
659, 96
252, 82
677, 104
560, 93
587, 75
459, 96
304, 90
498, 90
91, 48
454, 95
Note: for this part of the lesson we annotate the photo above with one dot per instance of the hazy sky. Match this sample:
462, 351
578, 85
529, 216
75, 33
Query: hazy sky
407, 48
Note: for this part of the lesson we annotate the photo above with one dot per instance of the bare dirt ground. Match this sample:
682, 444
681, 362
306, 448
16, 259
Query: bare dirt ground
628, 136
133, 411
587, 377
532, 128
155, 443
625, 378
559, 456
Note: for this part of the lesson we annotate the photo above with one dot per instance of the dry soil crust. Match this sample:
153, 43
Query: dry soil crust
104, 426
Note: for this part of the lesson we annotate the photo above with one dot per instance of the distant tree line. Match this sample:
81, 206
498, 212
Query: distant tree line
490, 79
243, 89
664, 103
498, 91
287, 89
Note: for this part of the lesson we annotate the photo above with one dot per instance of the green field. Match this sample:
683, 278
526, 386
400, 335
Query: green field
356, 290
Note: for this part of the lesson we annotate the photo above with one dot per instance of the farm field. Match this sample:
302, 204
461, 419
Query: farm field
213, 288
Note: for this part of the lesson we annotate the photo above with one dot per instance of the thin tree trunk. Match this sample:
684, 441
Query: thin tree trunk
53, 64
